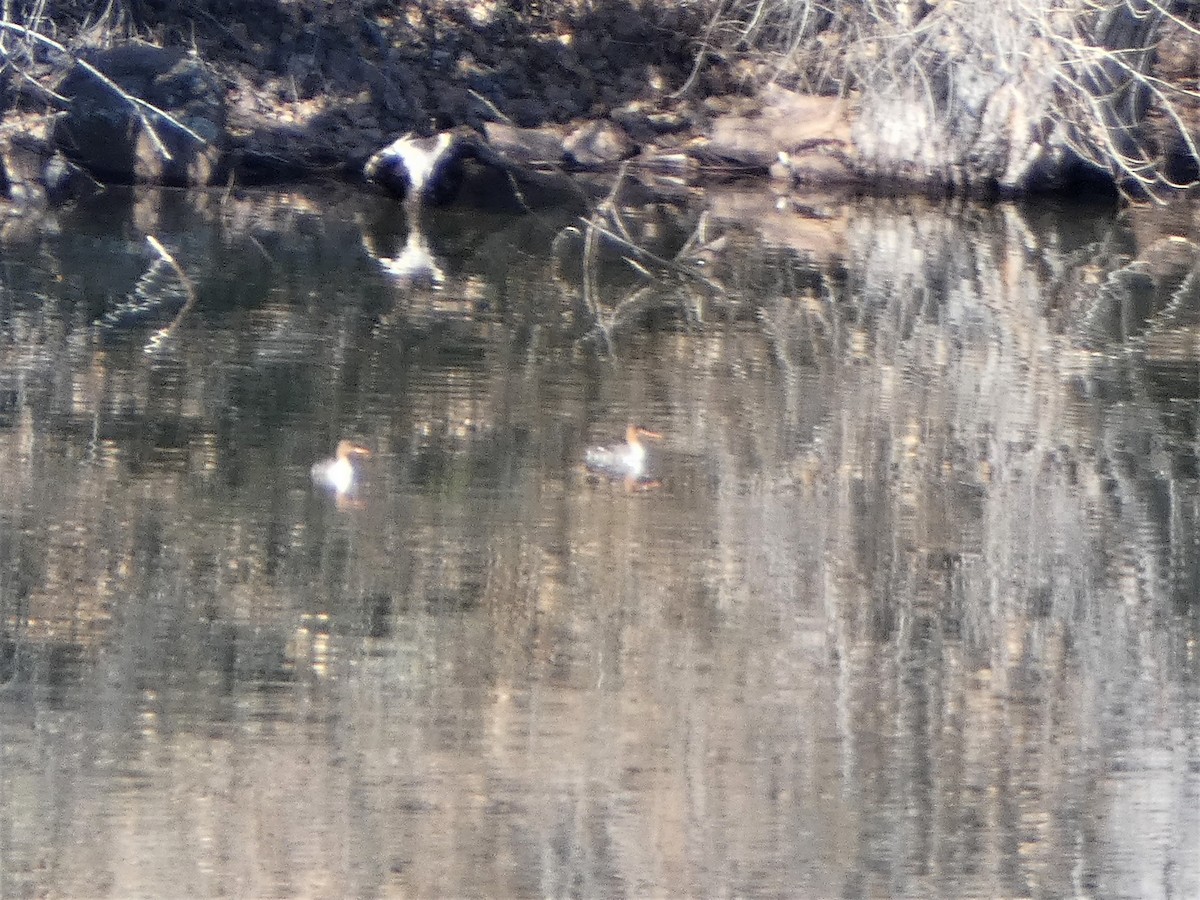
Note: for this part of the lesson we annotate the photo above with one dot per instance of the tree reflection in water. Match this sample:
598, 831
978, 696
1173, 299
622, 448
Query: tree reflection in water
914, 612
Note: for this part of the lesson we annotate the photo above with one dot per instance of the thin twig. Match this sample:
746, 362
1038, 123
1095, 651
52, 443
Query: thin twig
491, 107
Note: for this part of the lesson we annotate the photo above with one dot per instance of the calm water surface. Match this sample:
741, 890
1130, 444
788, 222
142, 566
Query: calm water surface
913, 611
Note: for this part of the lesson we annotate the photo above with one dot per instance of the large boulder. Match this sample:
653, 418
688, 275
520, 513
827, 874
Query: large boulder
537, 147
120, 140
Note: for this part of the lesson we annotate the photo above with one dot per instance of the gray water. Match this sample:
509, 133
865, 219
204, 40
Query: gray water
911, 610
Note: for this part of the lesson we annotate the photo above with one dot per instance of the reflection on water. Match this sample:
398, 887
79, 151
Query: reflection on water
914, 611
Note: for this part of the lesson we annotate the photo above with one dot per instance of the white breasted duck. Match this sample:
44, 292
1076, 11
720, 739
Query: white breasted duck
340, 473
625, 461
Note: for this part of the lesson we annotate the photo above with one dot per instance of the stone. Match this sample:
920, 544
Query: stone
530, 146
633, 118
118, 141
597, 144
64, 181
671, 122
32, 174
528, 112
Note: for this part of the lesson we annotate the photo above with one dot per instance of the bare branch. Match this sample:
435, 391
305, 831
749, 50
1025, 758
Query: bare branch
144, 109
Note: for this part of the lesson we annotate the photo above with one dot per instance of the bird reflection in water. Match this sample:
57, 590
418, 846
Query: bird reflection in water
416, 265
340, 475
626, 462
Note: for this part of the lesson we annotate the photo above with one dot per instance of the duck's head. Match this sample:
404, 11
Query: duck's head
634, 433
348, 449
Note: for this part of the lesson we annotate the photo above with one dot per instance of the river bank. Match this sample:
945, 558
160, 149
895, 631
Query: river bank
688, 92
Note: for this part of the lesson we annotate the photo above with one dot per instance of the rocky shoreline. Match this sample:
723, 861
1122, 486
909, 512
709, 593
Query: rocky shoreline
190, 136
318, 91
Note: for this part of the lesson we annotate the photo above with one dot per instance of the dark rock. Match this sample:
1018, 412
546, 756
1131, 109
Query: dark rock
347, 66
32, 173
374, 35
257, 167
629, 26
119, 141
561, 102
671, 122
64, 181
453, 103
633, 119
528, 112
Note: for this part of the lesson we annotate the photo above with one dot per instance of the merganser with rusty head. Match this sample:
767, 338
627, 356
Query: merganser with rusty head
339, 474
627, 460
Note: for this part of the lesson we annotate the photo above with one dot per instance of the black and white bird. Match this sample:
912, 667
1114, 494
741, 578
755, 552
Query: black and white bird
423, 171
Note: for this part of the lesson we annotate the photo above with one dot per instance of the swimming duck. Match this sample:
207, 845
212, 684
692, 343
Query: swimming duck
627, 460
339, 473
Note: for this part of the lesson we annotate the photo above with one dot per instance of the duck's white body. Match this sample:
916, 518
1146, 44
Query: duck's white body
339, 474
627, 460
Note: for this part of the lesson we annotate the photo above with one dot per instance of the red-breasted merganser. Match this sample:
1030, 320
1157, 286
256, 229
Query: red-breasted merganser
627, 460
339, 473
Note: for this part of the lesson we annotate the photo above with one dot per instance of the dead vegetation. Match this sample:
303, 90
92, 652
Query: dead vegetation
1017, 95
1022, 93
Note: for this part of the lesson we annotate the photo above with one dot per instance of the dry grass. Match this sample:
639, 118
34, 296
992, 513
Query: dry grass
1004, 90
